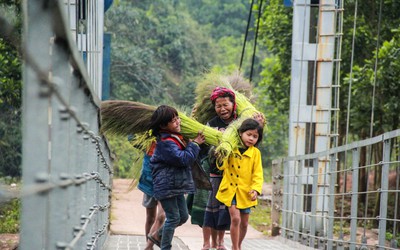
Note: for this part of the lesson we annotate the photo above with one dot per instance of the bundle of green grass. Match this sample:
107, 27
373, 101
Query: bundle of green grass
121, 117
125, 118
204, 111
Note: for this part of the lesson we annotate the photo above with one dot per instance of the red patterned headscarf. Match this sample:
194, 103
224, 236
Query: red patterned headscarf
224, 92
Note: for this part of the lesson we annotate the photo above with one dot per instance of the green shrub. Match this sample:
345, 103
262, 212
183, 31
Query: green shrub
9, 216
260, 217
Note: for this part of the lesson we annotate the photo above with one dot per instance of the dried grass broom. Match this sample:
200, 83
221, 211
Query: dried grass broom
131, 118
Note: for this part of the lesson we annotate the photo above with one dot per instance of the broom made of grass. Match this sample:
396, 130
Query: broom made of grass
129, 118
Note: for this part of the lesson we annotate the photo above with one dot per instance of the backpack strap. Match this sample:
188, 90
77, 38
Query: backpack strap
175, 139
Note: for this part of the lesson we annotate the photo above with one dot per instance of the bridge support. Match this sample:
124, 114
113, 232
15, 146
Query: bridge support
315, 35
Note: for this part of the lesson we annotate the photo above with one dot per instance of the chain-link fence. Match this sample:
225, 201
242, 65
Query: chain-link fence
357, 187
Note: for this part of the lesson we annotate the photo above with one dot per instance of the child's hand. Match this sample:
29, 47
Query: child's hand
200, 138
253, 195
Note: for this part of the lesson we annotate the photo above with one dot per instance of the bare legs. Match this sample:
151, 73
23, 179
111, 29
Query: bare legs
206, 237
217, 238
239, 224
220, 239
154, 223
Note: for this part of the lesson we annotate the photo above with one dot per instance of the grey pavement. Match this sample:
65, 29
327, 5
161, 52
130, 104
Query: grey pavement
128, 219
133, 242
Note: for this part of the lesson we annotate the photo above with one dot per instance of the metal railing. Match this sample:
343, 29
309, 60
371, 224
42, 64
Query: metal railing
86, 22
67, 172
360, 199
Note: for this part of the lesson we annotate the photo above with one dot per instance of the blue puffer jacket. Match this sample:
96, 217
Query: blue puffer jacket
171, 167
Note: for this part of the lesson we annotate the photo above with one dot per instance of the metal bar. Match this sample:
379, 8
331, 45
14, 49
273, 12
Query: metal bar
35, 145
384, 194
331, 199
314, 202
297, 200
362, 143
354, 199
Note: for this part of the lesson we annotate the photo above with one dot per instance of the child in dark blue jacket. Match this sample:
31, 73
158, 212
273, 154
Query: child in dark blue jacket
171, 169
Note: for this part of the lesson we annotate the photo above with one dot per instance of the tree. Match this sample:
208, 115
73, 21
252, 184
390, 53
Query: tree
365, 40
274, 89
10, 94
157, 49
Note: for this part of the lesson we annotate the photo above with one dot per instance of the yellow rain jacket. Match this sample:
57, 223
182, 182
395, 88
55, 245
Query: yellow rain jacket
242, 173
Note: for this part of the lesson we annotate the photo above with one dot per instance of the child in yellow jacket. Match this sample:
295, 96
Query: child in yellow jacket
242, 180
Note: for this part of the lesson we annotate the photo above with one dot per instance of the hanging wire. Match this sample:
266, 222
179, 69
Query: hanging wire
371, 131
351, 72
247, 32
312, 125
348, 112
255, 41
339, 31
337, 74
393, 241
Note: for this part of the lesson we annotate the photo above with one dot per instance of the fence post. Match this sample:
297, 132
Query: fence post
276, 196
384, 193
331, 202
354, 199
285, 203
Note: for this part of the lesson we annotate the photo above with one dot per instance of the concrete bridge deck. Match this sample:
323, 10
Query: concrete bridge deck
128, 219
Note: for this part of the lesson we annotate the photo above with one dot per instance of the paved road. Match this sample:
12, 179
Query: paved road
128, 219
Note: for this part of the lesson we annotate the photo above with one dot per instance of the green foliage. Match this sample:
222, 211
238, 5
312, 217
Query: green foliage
386, 90
224, 18
10, 111
341, 227
386, 79
162, 46
273, 91
126, 163
156, 48
389, 236
276, 33
229, 53
267, 173
9, 216
260, 217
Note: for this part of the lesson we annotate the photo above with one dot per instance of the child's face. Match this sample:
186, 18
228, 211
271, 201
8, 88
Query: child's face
249, 137
174, 125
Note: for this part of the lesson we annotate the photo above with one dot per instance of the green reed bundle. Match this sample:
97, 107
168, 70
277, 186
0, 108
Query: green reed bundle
203, 110
133, 118
190, 128
244, 107
230, 138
